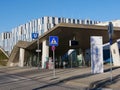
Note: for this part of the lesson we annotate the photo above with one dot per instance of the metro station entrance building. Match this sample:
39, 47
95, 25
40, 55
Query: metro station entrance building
24, 53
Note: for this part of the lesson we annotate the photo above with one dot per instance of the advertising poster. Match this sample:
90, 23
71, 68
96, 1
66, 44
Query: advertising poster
96, 54
115, 54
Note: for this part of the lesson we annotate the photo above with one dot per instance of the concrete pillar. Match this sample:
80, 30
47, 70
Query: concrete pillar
21, 57
45, 53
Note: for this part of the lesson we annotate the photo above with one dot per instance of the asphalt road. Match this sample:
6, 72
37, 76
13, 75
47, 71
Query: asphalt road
31, 78
27, 78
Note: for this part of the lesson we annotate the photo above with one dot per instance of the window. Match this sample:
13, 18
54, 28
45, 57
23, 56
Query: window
42, 20
21, 30
39, 27
53, 20
78, 21
54, 24
73, 43
63, 20
42, 31
10, 35
48, 26
90, 22
34, 23
82, 21
87, 22
48, 20
4, 35
59, 20
74, 21
69, 20
95, 22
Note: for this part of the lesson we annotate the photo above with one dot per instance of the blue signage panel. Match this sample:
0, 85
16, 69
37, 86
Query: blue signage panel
53, 40
110, 28
34, 35
110, 32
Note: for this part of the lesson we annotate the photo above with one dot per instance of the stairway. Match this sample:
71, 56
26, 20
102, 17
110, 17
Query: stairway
3, 57
14, 57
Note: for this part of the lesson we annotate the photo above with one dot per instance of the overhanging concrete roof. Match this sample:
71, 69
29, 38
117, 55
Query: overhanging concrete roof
82, 33
23, 44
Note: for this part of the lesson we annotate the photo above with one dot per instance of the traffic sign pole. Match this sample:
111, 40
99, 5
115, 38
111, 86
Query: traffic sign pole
53, 41
35, 36
38, 55
111, 76
110, 32
53, 61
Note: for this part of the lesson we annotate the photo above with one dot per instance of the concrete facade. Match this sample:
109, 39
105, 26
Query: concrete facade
45, 53
116, 23
21, 57
60, 30
41, 25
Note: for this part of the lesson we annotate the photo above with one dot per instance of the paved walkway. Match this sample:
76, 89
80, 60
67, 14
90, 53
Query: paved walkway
82, 77
72, 77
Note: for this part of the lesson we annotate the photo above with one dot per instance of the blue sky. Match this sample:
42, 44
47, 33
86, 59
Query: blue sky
16, 12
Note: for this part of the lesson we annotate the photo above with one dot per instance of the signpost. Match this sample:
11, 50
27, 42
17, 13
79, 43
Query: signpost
110, 32
35, 36
53, 41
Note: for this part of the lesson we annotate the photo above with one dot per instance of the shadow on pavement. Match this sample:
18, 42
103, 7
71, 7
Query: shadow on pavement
113, 68
64, 80
104, 83
93, 86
